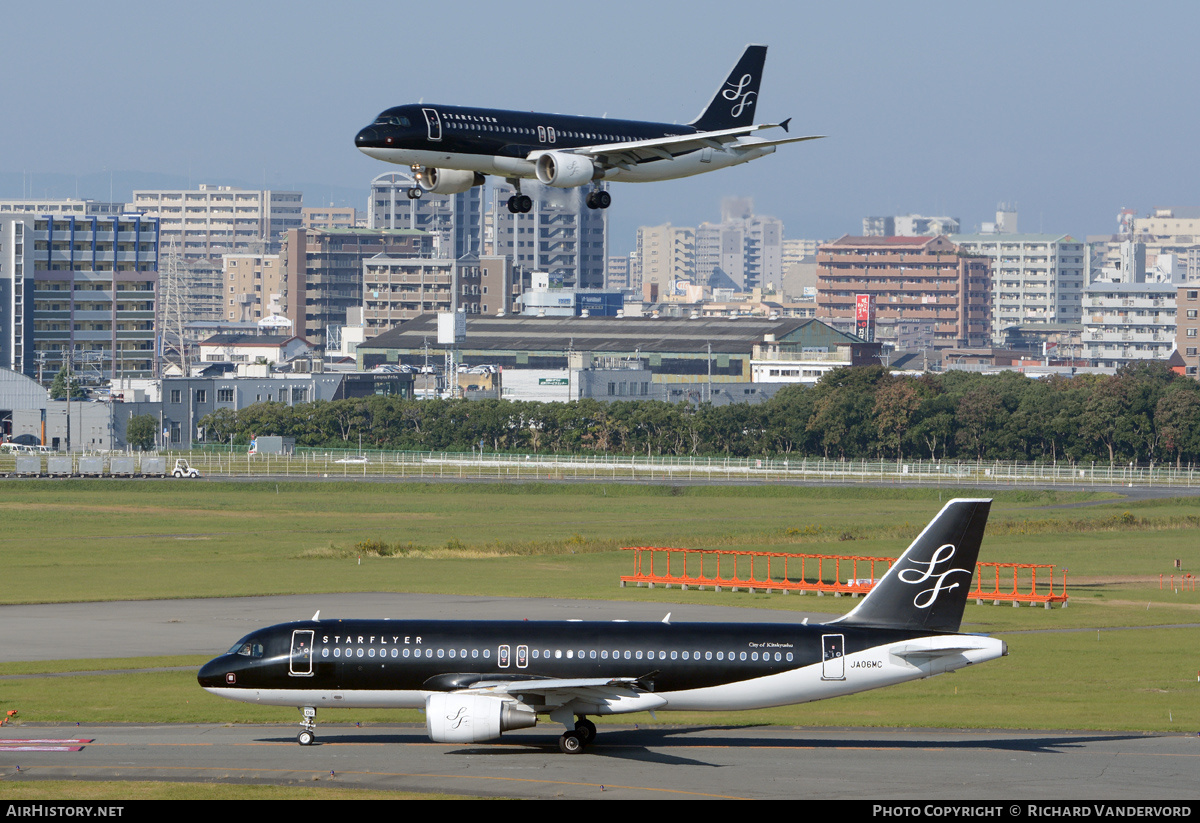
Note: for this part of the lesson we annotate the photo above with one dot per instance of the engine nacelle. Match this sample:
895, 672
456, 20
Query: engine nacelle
564, 170
449, 181
469, 718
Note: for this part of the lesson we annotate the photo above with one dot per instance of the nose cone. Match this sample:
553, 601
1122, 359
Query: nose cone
212, 673
367, 138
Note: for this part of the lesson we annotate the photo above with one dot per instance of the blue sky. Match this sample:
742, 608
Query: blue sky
1070, 110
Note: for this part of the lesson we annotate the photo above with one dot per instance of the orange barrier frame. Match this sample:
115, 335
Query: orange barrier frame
1014, 596
767, 571
1187, 582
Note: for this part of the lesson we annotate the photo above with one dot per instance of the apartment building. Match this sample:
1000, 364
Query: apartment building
1035, 278
1187, 328
924, 288
667, 260
324, 272
560, 236
83, 287
398, 289
211, 221
454, 221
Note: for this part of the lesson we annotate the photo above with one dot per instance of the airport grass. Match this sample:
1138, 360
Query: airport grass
1112, 660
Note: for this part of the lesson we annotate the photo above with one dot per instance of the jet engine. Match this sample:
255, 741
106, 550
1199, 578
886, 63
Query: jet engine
564, 170
467, 718
449, 181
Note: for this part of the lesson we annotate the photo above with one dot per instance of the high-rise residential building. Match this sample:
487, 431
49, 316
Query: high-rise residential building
1036, 278
560, 236
329, 217
925, 289
667, 260
324, 272
1124, 322
253, 285
617, 275
212, 221
398, 289
455, 221
909, 225
59, 207
83, 287
741, 252
1187, 328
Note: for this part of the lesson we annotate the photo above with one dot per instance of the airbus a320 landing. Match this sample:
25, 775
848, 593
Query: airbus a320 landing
452, 148
478, 679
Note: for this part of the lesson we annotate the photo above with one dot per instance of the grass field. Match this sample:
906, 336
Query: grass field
1109, 661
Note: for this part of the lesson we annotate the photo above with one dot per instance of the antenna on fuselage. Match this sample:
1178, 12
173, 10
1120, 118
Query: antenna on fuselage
316, 617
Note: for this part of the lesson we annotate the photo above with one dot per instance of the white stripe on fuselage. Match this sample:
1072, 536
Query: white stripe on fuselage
685, 165
869, 669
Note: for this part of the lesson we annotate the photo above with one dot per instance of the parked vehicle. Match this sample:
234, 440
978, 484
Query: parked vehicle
182, 469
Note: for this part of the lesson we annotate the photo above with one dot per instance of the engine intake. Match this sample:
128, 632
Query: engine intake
564, 170
449, 181
467, 718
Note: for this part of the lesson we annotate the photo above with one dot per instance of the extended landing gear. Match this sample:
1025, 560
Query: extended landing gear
574, 742
599, 199
518, 203
416, 192
308, 735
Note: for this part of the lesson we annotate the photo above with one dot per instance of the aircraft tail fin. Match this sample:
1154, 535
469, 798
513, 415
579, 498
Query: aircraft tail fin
734, 103
927, 587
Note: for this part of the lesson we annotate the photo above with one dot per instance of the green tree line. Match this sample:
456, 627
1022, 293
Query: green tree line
1143, 413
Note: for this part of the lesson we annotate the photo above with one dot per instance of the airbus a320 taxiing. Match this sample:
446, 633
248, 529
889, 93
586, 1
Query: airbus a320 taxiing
452, 148
477, 680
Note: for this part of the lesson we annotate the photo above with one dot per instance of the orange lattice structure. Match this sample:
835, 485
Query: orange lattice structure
765, 571
1015, 596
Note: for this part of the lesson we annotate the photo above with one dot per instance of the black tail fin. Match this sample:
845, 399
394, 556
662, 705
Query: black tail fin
734, 103
927, 588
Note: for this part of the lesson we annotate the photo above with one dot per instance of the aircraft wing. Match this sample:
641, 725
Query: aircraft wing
626, 155
615, 694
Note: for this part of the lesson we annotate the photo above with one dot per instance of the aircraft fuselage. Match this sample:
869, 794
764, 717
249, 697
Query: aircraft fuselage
507, 143
398, 664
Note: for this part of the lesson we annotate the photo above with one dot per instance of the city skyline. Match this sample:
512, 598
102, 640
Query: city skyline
935, 108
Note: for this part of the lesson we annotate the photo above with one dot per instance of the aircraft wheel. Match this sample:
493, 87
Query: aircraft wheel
306, 738
591, 200
603, 199
586, 729
415, 193
570, 743
512, 205
525, 203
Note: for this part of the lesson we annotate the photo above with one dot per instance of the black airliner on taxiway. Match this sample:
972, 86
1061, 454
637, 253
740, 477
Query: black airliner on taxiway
451, 148
478, 679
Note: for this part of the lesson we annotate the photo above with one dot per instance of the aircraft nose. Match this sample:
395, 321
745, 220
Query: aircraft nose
366, 137
212, 673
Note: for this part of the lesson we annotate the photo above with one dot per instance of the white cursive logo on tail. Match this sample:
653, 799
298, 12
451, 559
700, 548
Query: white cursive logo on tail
739, 94
928, 597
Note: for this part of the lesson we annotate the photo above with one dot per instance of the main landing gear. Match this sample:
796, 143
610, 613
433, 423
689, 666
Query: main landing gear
599, 199
574, 742
518, 203
308, 734
416, 192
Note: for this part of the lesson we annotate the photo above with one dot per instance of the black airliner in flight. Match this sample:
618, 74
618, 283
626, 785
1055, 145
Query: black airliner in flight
452, 148
478, 679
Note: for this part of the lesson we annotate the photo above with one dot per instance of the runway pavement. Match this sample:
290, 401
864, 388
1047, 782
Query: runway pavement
625, 763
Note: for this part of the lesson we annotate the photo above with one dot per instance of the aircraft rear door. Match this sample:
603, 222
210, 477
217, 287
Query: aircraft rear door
833, 660
300, 662
434, 123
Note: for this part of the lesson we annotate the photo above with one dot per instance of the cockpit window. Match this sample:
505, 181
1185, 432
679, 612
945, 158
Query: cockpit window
247, 648
390, 120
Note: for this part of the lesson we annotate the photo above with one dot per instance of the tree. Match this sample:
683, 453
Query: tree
141, 432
